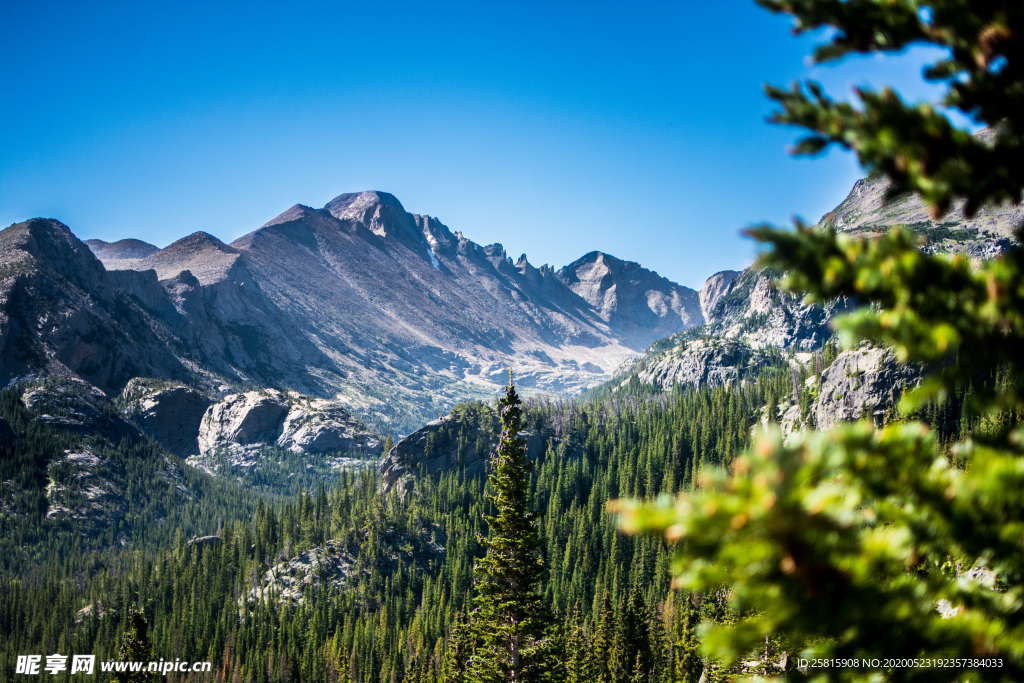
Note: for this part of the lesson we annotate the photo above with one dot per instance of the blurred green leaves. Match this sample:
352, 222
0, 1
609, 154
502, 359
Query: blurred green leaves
880, 542
915, 145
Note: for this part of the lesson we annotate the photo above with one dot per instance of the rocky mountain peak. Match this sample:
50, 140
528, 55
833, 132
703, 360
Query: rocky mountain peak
642, 304
715, 287
50, 244
870, 208
496, 250
293, 213
594, 263
380, 212
121, 249
207, 257
198, 241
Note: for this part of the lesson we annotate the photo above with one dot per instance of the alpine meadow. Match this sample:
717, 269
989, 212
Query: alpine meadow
355, 445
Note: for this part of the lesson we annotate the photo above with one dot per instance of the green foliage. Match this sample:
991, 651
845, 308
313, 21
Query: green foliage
510, 619
905, 540
135, 647
916, 146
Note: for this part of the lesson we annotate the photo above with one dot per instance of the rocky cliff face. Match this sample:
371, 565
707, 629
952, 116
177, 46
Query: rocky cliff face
868, 210
862, 382
240, 426
705, 361
751, 308
63, 314
75, 405
749, 325
715, 287
168, 412
744, 312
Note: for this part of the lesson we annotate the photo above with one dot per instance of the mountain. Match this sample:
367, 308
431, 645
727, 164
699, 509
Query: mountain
390, 312
868, 209
121, 250
62, 313
749, 324
640, 305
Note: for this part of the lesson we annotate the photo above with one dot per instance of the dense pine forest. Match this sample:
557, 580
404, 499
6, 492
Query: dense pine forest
398, 610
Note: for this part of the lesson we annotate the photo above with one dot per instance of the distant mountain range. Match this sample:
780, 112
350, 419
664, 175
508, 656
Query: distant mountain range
390, 312
396, 316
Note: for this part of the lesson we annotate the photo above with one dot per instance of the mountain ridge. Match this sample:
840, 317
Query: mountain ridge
391, 312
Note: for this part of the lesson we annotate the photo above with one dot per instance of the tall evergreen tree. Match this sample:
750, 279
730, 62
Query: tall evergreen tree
134, 647
453, 669
511, 621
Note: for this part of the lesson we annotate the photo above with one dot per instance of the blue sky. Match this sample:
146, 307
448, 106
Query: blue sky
555, 128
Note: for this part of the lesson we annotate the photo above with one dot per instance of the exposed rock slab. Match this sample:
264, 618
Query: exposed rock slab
336, 565
862, 382
702, 362
74, 404
326, 567
715, 287
79, 491
246, 423
463, 439
168, 412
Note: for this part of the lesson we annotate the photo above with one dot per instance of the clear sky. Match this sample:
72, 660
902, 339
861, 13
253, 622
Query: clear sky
556, 128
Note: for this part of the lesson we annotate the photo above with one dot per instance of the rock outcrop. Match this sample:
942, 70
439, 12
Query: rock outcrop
242, 425
95, 610
862, 382
715, 287
337, 565
322, 426
867, 210
327, 567
243, 421
751, 308
80, 492
705, 361
75, 405
463, 439
201, 541
168, 412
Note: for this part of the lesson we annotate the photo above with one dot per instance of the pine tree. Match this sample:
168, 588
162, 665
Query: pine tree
511, 622
688, 666
457, 653
134, 647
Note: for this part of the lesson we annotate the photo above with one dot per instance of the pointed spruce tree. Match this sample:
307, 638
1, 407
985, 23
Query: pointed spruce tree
134, 647
511, 623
